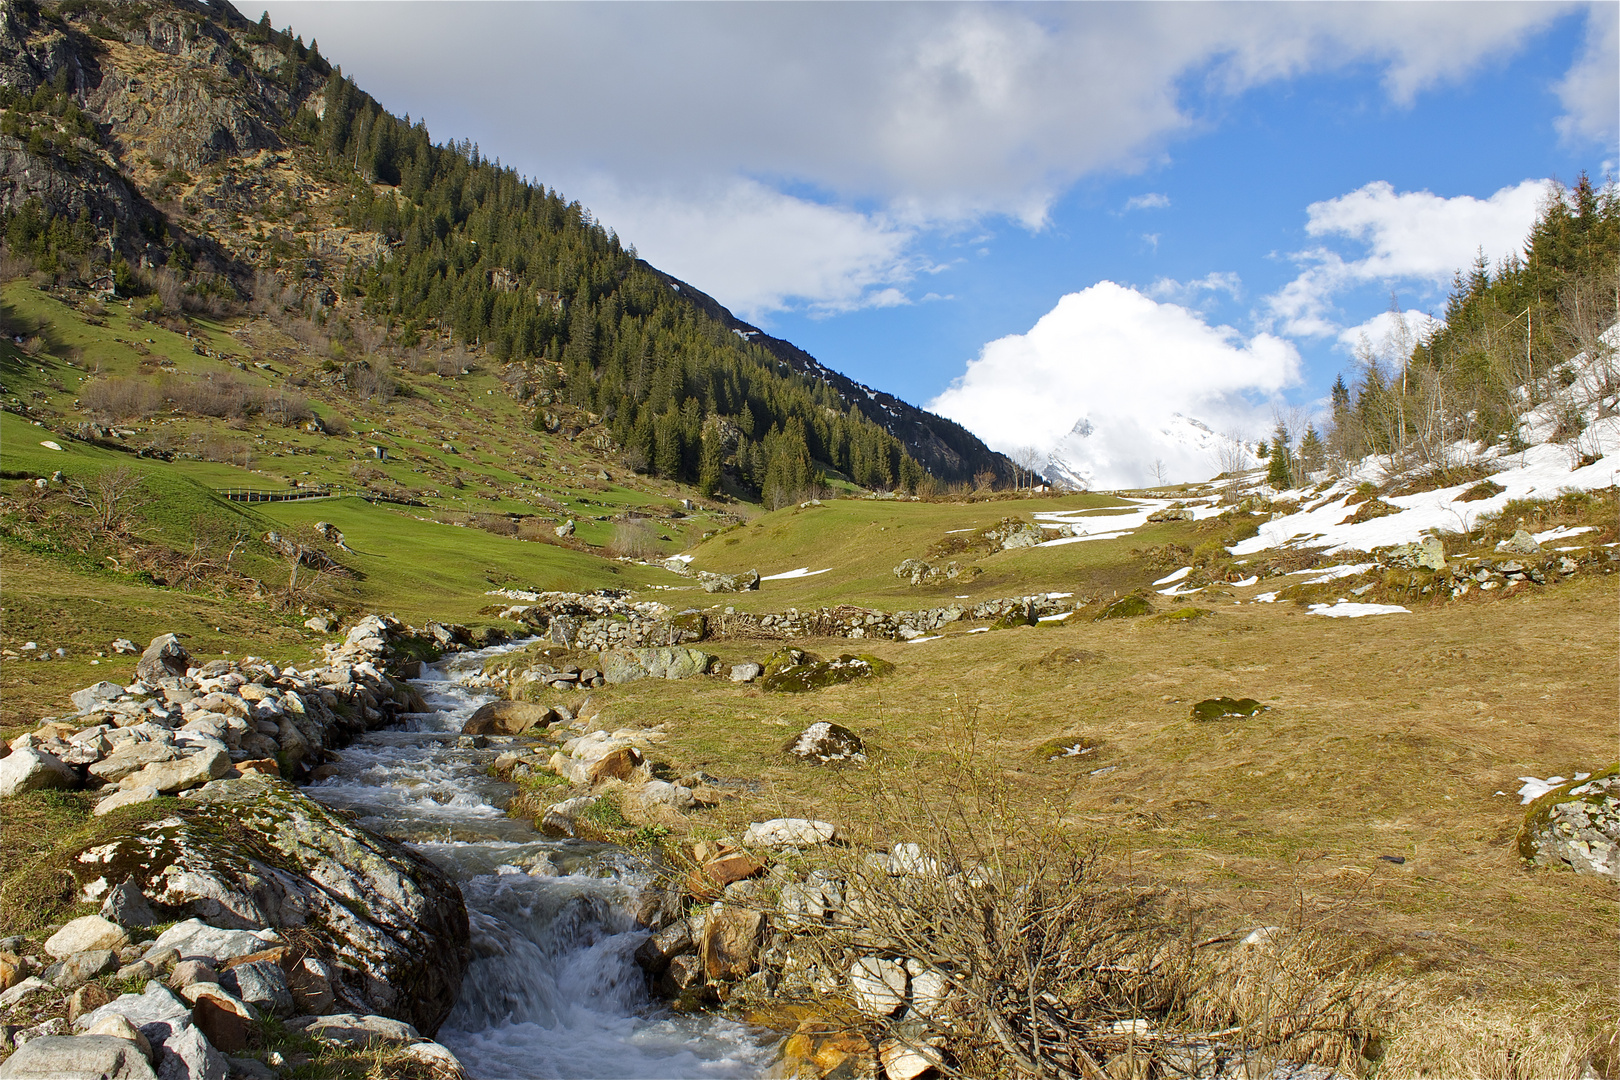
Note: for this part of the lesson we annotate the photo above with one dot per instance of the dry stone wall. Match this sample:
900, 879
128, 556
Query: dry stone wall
601, 621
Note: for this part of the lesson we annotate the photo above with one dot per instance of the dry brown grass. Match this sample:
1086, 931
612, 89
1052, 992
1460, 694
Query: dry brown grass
1386, 737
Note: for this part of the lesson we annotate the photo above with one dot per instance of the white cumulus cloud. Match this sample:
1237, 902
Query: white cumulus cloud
1587, 92
1153, 200
759, 250
1124, 362
1389, 335
1411, 236
897, 116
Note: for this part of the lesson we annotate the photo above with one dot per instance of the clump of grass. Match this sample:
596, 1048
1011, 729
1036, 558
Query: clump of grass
1485, 489
1574, 1035
40, 833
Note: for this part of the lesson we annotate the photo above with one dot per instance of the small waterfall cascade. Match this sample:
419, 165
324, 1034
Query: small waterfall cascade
553, 990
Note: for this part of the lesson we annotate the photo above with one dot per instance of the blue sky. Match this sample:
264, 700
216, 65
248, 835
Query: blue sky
895, 187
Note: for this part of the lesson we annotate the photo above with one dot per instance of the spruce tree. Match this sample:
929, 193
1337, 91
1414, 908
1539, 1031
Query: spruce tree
1281, 473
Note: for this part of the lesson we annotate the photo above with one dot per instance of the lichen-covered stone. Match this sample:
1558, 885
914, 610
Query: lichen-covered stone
255, 853
1577, 826
659, 662
825, 742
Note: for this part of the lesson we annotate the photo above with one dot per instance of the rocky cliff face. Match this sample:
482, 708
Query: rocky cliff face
168, 91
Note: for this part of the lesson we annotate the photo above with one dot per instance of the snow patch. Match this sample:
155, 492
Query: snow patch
1346, 610
803, 571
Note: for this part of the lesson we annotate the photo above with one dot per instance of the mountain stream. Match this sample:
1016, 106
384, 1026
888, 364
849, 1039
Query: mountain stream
553, 990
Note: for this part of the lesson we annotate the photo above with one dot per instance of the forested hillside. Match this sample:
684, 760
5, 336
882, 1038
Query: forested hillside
437, 240
1503, 346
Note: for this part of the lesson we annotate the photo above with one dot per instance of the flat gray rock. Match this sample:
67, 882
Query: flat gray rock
196, 940
190, 1056
126, 905
352, 1029
262, 985
157, 1013
169, 777
99, 693
85, 1057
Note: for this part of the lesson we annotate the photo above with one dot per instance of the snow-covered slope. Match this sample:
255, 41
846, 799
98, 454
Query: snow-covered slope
1122, 452
1548, 464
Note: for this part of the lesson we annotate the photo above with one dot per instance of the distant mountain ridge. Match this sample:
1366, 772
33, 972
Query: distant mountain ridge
1119, 452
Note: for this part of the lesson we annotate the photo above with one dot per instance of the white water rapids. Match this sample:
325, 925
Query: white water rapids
553, 990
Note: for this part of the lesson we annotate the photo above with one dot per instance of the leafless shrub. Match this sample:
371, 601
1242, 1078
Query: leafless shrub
166, 285
1042, 963
634, 459
287, 408
223, 396
274, 297
370, 379
368, 337
121, 398
535, 528
111, 496
217, 447
499, 524
634, 539
14, 266
308, 334
335, 425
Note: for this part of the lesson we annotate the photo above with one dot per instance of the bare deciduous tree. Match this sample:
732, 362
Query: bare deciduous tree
1028, 461
111, 496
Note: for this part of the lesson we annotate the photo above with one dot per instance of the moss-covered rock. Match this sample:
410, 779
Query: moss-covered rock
1576, 826
1222, 708
794, 671
1126, 607
688, 626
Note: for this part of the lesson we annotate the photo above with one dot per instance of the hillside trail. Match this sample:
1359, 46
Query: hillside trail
553, 989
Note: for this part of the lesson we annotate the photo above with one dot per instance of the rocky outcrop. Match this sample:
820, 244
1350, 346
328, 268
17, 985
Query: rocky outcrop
825, 743
728, 583
849, 621
628, 665
915, 572
601, 620
1576, 826
180, 726
254, 854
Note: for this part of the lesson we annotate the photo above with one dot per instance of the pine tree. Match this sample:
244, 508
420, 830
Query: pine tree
1311, 450
1281, 473
710, 462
